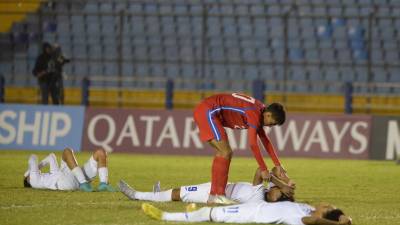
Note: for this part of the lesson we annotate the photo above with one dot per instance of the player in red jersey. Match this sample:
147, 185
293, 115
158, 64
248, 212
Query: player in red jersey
237, 111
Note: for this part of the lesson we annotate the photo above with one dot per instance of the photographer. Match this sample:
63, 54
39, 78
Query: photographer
45, 72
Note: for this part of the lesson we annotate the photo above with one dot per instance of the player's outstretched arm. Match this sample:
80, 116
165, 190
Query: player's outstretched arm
269, 147
252, 136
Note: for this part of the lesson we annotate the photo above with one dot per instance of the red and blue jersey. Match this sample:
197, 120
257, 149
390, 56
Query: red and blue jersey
236, 111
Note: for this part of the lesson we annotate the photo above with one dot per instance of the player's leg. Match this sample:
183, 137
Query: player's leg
161, 196
97, 163
220, 166
69, 158
200, 215
212, 131
50, 160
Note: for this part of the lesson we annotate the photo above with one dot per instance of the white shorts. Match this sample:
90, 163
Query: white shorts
195, 193
67, 180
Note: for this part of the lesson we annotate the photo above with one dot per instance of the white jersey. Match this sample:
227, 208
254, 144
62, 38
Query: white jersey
289, 213
59, 178
44, 180
245, 192
241, 192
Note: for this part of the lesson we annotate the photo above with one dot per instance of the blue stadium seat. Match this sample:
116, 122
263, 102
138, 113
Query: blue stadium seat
248, 54
360, 55
95, 51
394, 75
172, 71
153, 26
91, 7
234, 72
392, 56
110, 52
168, 27
96, 69
233, 54
188, 71
266, 72
344, 55
106, 7
127, 68
79, 68
110, 68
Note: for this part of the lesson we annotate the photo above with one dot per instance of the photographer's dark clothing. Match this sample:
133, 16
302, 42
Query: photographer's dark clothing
45, 71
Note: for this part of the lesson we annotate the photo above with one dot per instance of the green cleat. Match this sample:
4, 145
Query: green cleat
152, 211
105, 187
86, 187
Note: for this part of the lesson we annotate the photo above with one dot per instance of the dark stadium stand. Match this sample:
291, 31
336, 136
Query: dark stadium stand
310, 44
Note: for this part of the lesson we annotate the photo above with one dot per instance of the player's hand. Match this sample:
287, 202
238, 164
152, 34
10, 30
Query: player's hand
287, 190
265, 175
345, 220
280, 171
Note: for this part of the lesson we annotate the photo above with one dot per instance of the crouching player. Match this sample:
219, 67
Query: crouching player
289, 213
241, 192
69, 176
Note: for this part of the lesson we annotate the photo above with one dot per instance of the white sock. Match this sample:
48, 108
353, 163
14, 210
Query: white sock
77, 171
162, 196
200, 215
103, 174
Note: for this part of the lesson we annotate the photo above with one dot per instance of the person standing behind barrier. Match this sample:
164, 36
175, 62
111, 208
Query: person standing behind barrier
44, 71
60, 61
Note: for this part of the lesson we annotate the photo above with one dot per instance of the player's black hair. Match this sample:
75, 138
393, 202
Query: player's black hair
334, 214
278, 112
26, 183
284, 198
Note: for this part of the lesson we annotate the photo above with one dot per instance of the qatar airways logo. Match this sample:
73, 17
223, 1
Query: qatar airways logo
326, 135
306, 136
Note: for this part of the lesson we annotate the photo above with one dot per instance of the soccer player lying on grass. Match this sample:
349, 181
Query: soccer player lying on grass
241, 192
289, 213
236, 111
69, 176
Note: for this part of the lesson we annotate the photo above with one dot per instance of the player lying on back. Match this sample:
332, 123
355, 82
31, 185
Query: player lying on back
69, 176
289, 213
236, 111
240, 192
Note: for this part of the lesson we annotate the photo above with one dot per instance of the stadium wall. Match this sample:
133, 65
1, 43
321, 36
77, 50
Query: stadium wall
174, 132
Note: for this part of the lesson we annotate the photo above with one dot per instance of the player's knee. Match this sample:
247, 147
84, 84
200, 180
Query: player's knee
100, 153
176, 194
226, 153
67, 153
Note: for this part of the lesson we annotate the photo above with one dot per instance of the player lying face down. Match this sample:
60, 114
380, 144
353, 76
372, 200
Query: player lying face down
69, 176
289, 213
240, 192
236, 111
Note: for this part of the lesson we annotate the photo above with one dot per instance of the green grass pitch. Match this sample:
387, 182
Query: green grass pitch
366, 190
